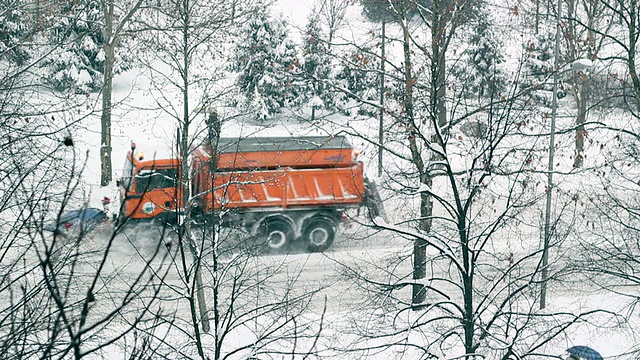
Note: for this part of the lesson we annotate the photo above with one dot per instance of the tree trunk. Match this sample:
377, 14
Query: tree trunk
579, 94
111, 37
330, 40
633, 35
468, 321
214, 127
105, 119
420, 245
537, 15
441, 93
581, 118
185, 178
438, 70
381, 124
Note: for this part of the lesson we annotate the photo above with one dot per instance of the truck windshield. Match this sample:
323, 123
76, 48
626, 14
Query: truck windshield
151, 179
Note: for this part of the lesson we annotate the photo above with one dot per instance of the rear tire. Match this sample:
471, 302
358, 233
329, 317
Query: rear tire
319, 234
275, 235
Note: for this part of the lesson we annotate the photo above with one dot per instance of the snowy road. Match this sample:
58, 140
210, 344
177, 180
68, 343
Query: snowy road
339, 279
268, 284
329, 274
260, 279
76, 264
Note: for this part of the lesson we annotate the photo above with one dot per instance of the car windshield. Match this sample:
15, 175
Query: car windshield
151, 179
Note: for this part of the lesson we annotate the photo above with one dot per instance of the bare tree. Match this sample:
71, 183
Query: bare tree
60, 296
333, 14
117, 16
582, 44
481, 273
607, 257
621, 38
473, 275
185, 31
222, 291
55, 302
443, 19
612, 216
66, 286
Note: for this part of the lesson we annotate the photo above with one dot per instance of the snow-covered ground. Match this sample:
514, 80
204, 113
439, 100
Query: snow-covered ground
341, 299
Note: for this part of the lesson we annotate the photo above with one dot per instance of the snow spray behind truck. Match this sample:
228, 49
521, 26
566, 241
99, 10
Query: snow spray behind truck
280, 189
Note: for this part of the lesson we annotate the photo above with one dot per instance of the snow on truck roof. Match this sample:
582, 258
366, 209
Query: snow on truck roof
249, 144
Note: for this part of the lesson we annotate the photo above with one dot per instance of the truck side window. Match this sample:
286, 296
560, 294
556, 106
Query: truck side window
152, 179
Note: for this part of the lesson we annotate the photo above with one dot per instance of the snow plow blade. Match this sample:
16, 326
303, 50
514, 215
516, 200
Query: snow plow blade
373, 201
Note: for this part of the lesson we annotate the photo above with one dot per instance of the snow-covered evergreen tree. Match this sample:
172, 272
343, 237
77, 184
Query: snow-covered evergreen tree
79, 63
268, 65
540, 50
539, 64
358, 75
289, 67
317, 65
479, 70
15, 26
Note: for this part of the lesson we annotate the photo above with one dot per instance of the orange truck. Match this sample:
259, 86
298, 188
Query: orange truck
280, 189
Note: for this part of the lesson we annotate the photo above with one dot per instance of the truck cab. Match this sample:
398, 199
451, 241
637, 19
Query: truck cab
148, 188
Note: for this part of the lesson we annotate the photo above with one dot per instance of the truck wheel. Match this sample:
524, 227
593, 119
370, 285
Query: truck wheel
276, 235
319, 235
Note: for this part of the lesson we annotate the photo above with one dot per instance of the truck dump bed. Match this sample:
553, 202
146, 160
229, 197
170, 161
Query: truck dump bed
274, 152
282, 188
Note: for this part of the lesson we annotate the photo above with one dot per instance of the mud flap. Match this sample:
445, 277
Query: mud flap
373, 201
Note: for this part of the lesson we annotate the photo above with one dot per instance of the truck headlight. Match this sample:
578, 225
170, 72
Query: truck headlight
148, 207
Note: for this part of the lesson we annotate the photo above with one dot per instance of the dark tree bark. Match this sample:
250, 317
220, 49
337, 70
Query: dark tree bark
105, 119
382, 91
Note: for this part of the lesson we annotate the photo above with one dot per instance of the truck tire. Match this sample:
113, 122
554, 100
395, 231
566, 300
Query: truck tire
319, 234
275, 235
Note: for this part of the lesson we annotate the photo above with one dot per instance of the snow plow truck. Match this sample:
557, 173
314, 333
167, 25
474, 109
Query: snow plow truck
279, 189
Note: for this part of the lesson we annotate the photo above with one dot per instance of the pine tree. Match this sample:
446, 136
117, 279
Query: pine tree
359, 76
79, 64
540, 59
288, 64
385, 10
316, 66
479, 69
378, 10
15, 27
539, 64
268, 64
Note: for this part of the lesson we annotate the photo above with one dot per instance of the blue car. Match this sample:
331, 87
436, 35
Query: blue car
76, 223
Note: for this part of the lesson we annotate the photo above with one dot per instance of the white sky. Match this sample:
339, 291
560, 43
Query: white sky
295, 10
